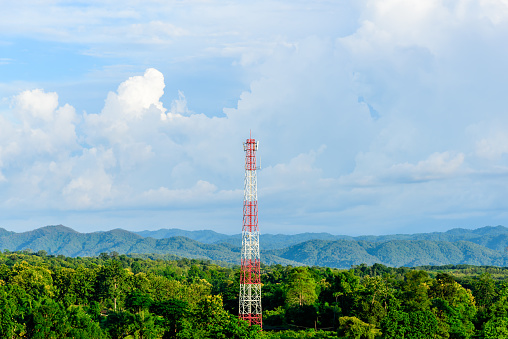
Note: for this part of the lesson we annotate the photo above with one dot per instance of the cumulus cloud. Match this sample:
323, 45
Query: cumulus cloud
36, 104
129, 119
38, 127
90, 182
135, 96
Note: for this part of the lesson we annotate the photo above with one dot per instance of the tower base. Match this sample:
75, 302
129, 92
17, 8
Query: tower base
253, 319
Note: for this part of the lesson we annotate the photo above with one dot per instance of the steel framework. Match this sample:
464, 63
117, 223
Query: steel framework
250, 276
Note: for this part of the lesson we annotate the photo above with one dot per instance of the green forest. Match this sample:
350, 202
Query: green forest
154, 296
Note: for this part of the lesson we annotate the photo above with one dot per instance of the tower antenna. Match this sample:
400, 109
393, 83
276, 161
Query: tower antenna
250, 275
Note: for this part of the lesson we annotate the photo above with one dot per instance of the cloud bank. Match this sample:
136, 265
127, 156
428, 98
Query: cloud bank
392, 122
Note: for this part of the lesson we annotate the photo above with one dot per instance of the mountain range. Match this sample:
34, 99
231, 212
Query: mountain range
483, 246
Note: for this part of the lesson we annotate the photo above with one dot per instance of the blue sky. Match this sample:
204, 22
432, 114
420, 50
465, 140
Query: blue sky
373, 116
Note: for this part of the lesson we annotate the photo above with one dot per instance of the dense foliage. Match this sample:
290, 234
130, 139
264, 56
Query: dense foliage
119, 296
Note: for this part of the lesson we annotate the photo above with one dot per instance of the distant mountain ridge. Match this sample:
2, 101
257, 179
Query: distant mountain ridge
269, 241
204, 236
345, 253
482, 246
493, 237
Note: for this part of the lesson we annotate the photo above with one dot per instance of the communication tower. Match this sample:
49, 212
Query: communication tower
250, 275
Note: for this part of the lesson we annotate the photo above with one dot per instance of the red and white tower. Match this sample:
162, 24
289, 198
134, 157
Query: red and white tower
250, 275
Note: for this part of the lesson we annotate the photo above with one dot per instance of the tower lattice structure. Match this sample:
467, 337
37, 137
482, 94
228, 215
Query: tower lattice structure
250, 276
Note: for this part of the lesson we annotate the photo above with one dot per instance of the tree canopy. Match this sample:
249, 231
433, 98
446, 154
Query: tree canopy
119, 296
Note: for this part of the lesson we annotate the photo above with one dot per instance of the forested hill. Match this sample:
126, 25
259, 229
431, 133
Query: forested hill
204, 236
483, 246
410, 253
493, 237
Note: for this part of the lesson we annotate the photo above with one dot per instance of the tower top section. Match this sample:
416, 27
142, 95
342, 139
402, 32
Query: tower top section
250, 145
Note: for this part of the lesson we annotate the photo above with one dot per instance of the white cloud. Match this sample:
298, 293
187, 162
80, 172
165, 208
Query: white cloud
5, 61
86, 180
436, 166
178, 108
389, 25
299, 171
37, 127
201, 193
136, 95
155, 32
88, 190
130, 119
493, 147
36, 104
376, 170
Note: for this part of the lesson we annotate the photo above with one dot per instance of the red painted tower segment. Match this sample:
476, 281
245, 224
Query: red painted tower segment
250, 275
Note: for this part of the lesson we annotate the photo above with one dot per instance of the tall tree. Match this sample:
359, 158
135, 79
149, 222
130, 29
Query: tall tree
174, 311
415, 291
301, 287
484, 290
453, 305
110, 281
